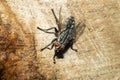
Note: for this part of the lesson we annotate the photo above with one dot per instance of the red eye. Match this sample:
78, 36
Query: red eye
62, 47
56, 44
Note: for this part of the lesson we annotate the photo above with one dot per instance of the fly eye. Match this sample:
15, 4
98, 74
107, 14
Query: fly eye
56, 44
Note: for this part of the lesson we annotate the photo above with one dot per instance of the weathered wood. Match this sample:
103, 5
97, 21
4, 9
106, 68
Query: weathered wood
98, 56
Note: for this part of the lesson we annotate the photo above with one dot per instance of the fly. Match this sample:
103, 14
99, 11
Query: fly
64, 38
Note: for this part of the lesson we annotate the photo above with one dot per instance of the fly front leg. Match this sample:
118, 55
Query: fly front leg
46, 47
54, 61
51, 47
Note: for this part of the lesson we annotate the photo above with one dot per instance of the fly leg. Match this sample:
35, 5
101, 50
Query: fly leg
72, 47
51, 47
54, 61
54, 57
47, 30
49, 44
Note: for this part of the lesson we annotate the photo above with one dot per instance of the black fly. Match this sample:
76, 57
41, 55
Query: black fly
64, 38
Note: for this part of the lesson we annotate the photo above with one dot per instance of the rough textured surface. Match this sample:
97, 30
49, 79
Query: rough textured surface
98, 56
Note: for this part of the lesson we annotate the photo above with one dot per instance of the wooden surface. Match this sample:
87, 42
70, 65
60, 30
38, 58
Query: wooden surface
98, 56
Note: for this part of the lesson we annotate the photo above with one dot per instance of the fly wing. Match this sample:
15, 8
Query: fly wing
80, 27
